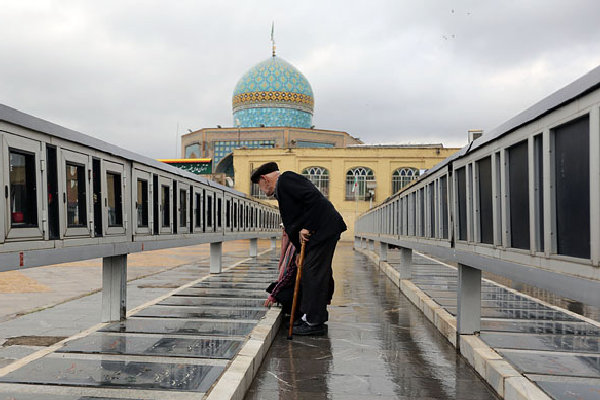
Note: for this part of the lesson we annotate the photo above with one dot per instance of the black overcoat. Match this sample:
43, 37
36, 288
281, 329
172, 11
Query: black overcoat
303, 206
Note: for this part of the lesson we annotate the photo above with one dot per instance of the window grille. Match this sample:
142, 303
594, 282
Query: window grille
402, 177
356, 183
319, 176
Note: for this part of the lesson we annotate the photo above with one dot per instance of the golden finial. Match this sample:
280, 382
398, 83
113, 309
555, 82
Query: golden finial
273, 36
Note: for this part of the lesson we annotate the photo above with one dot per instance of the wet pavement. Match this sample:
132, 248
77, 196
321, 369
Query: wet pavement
175, 347
378, 346
556, 349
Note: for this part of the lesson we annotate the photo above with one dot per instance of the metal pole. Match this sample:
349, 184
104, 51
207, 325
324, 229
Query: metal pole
468, 313
216, 255
114, 288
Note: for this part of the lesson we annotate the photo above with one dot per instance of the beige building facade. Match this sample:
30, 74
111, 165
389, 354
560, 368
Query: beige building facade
218, 143
352, 178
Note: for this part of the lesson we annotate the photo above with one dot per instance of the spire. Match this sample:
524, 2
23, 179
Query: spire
273, 36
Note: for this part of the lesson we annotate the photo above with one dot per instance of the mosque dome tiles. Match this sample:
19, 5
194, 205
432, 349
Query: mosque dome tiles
273, 93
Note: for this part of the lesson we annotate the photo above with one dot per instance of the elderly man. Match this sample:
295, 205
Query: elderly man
307, 217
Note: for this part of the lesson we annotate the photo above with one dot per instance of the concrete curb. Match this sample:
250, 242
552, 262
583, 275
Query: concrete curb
238, 376
497, 372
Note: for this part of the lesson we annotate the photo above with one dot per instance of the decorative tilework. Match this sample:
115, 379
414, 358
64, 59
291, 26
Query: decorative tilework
273, 93
312, 145
302, 101
224, 147
273, 75
272, 116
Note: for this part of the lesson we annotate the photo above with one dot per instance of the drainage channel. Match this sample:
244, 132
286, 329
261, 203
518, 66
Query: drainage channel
177, 347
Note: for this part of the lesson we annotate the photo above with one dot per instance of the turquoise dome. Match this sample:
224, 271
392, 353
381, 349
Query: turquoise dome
273, 93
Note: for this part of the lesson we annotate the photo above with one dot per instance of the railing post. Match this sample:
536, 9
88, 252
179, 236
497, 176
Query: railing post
357, 242
363, 243
254, 247
216, 255
383, 248
371, 245
114, 288
405, 263
468, 304
273, 243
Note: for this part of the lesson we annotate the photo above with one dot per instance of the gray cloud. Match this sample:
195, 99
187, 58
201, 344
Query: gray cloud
131, 72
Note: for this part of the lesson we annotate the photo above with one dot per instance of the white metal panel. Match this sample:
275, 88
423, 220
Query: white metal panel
219, 212
496, 199
247, 216
227, 203
450, 195
551, 245
185, 188
595, 184
32, 147
470, 184
3, 204
117, 169
198, 219
234, 215
83, 160
439, 209
209, 211
476, 226
163, 208
531, 167
44, 195
242, 215
504, 205
147, 177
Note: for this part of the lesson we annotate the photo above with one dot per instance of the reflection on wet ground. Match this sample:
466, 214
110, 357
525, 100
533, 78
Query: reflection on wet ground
182, 344
378, 346
208, 301
39, 396
181, 327
202, 312
157, 345
122, 373
219, 292
556, 349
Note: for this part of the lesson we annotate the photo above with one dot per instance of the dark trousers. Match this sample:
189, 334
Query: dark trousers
317, 280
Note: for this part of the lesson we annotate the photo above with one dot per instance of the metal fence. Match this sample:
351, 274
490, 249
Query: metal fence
69, 197
522, 201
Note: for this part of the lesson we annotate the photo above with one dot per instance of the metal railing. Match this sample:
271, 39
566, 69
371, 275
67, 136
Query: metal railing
522, 201
70, 197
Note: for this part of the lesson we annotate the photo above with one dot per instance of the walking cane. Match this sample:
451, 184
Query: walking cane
296, 287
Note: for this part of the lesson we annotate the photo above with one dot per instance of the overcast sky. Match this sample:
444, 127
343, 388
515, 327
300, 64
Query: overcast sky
139, 73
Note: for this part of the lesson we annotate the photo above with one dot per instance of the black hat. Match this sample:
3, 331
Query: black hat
264, 169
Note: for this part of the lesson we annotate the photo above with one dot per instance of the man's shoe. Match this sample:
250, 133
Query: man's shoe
297, 321
309, 330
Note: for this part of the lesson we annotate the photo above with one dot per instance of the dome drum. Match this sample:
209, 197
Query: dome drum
273, 99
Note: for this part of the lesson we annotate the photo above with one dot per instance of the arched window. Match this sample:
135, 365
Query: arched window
402, 177
319, 176
192, 150
358, 182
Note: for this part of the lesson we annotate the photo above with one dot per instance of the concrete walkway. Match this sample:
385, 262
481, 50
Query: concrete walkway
379, 346
527, 348
180, 343
192, 335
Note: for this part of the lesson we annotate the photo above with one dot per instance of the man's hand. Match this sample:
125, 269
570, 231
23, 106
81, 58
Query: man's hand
304, 235
270, 301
